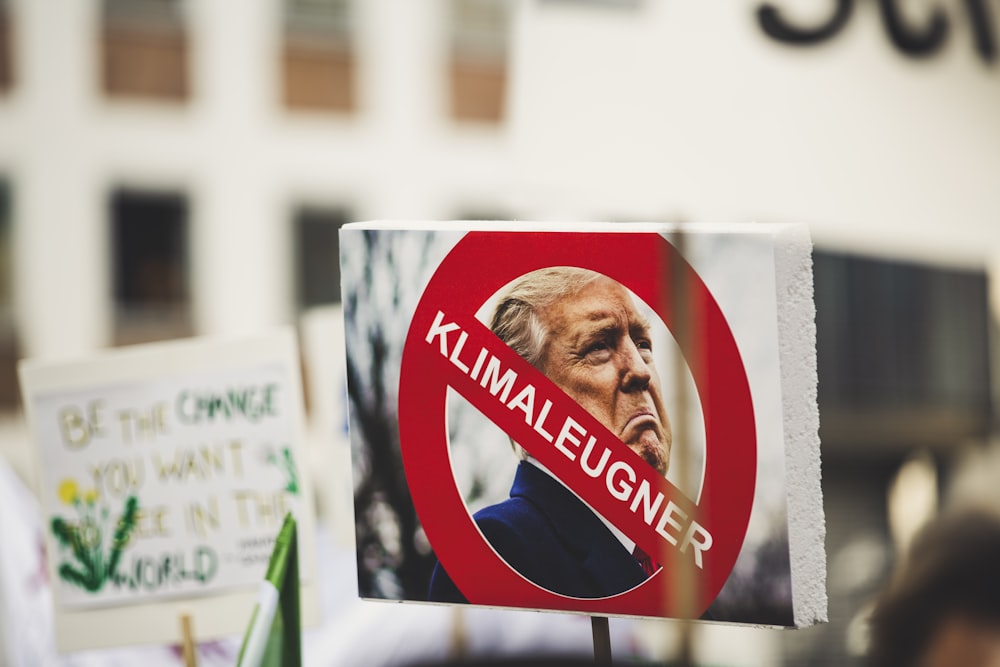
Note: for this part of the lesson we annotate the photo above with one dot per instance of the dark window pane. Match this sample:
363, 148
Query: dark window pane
6, 48
317, 251
6, 286
9, 349
150, 266
902, 350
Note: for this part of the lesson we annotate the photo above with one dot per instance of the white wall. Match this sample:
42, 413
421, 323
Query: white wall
662, 110
688, 109
244, 162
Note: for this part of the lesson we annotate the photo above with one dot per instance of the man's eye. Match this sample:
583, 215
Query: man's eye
598, 349
644, 344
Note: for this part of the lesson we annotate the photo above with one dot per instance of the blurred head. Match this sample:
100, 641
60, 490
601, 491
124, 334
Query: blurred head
583, 331
942, 607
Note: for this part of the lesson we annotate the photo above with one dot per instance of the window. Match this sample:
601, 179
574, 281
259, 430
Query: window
150, 266
9, 349
317, 59
317, 255
479, 32
902, 350
144, 50
6, 49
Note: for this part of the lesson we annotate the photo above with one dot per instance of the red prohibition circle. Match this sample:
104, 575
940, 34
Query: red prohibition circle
472, 272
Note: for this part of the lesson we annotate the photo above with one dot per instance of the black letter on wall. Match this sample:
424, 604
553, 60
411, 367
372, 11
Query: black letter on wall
776, 27
982, 28
913, 43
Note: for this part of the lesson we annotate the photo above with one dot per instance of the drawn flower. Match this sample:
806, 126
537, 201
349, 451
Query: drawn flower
69, 492
89, 566
90, 496
90, 533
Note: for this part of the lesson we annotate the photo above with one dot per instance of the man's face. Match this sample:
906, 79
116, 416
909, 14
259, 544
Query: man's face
599, 352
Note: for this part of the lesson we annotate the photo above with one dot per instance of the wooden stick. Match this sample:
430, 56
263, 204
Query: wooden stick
602, 639
682, 587
685, 646
459, 647
187, 642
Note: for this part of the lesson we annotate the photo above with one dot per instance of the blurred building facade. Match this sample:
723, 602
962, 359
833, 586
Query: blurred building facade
172, 168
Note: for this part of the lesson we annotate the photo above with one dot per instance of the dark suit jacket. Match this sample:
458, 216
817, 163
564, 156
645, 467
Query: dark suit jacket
548, 535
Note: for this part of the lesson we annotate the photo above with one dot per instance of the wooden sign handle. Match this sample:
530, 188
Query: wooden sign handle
188, 652
602, 639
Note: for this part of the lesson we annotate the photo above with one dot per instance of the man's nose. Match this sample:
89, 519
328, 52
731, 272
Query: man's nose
635, 373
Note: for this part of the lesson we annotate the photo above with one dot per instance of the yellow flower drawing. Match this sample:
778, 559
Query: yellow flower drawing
90, 496
69, 492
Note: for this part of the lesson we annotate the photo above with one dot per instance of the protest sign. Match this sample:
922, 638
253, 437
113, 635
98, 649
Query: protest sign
166, 471
732, 312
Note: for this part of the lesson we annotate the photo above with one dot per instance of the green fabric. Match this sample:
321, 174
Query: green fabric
284, 643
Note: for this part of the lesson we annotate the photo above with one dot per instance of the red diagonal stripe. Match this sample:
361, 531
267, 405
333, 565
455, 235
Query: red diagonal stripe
594, 491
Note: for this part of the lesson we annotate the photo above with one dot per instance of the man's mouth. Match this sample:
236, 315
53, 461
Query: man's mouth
643, 433
638, 423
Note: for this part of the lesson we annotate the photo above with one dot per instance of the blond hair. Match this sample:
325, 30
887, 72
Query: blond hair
517, 320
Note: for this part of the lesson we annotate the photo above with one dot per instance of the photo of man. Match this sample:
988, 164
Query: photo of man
595, 340
585, 333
